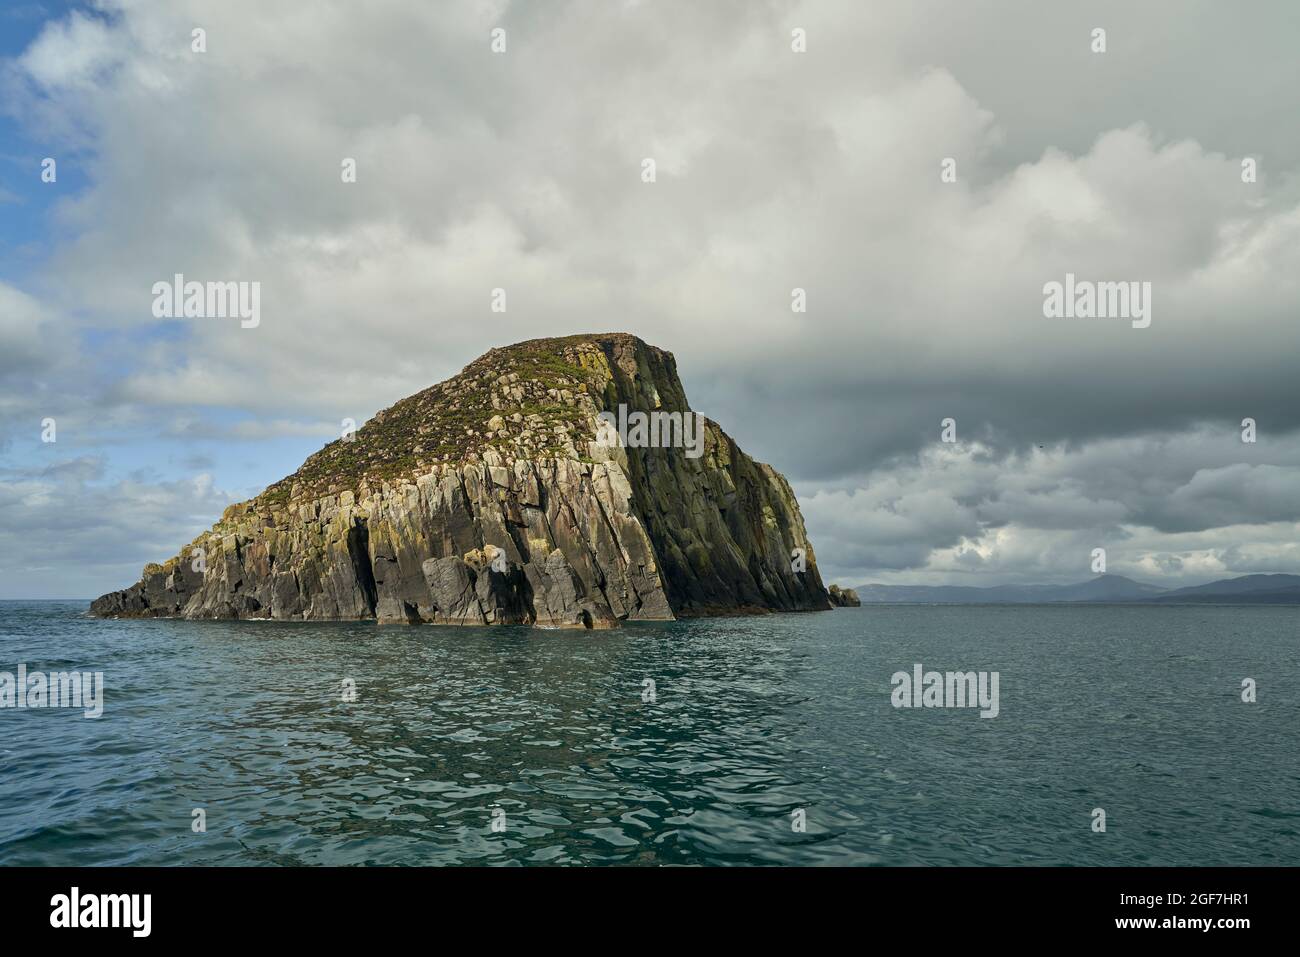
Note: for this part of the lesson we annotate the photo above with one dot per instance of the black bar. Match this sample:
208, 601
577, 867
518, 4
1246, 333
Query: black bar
335, 905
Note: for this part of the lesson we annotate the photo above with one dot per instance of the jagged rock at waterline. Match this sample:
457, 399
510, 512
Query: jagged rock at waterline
495, 498
843, 597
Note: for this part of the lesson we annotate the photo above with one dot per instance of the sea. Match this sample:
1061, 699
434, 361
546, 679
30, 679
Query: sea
769, 740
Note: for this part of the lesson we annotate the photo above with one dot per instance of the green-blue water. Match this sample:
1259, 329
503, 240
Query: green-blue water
1133, 709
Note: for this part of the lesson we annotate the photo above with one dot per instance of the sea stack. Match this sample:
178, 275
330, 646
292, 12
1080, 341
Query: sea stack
497, 497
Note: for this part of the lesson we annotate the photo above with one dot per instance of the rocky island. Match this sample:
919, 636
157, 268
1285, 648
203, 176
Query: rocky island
844, 597
494, 498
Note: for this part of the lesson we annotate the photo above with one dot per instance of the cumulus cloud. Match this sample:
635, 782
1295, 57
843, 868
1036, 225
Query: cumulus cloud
776, 170
64, 533
26, 328
1166, 507
71, 54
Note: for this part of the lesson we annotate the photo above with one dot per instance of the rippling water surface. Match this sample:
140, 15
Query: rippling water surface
1133, 709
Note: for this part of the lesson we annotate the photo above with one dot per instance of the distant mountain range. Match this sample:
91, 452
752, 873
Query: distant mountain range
1252, 589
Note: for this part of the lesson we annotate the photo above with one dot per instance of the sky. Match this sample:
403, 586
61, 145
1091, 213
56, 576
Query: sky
776, 169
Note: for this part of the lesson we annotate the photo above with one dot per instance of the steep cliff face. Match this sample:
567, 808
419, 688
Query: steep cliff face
499, 497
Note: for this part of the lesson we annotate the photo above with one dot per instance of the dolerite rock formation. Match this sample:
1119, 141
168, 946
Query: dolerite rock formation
488, 499
843, 597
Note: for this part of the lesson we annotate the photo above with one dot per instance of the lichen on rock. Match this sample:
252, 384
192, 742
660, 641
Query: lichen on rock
487, 499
